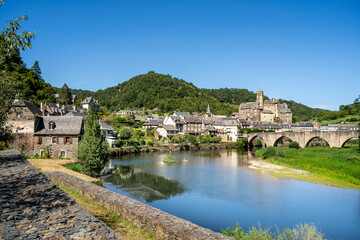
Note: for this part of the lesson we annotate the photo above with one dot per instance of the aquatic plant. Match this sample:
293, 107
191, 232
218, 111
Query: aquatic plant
169, 159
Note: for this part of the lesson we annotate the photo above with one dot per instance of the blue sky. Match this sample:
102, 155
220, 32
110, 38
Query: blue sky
306, 51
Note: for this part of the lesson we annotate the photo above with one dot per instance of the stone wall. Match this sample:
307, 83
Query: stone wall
32, 207
161, 224
22, 141
57, 147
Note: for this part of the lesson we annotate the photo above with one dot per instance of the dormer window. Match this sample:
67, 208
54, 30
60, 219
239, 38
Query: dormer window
51, 125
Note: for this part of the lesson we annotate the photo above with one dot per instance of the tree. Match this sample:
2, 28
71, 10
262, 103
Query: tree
36, 69
65, 96
10, 43
125, 133
92, 151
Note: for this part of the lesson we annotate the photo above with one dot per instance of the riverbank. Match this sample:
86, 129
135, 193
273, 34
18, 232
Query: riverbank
115, 152
338, 167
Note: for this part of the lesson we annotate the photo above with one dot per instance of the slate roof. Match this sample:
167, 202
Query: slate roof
181, 114
32, 107
151, 122
248, 105
64, 125
192, 119
72, 113
87, 100
104, 126
170, 128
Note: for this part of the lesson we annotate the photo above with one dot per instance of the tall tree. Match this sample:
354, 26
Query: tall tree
92, 151
10, 43
36, 68
65, 94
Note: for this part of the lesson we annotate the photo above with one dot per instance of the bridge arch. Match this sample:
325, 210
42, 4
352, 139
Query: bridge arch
280, 139
308, 142
351, 138
251, 141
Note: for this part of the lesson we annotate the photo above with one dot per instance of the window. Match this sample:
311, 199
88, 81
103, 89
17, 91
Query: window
54, 140
63, 154
39, 140
67, 140
51, 125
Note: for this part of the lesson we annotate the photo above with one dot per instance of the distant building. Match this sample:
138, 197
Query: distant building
88, 101
265, 111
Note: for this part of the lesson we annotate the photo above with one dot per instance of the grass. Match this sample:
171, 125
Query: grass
73, 166
338, 167
123, 228
339, 120
299, 232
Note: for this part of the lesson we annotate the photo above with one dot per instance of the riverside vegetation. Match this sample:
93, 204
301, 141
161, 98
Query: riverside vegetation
338, 167
299, 232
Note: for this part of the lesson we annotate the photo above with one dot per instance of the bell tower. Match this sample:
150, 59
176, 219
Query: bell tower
260, 98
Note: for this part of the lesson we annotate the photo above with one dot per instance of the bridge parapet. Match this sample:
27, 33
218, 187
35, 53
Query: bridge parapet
333, 138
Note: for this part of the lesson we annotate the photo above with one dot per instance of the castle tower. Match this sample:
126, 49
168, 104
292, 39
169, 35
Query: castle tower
260, 98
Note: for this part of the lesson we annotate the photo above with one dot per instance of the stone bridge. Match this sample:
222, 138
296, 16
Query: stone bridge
333, 138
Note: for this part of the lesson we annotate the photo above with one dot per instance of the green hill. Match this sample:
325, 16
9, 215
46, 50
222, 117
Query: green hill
169, 94
157, 90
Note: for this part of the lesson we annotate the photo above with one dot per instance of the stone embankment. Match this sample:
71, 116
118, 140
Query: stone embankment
161, 224
166, 148
32, 207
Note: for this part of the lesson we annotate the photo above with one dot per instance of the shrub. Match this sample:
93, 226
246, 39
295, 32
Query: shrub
294, 145
272, 152
150, 142
299, 232
234, 232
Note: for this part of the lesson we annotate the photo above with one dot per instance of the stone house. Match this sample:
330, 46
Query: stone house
193, 124
58, 135
151, 124
88, 101
20, 123
175, 121
167, 130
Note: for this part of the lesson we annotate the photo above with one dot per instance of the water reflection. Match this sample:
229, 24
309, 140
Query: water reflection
143, 185
216, 189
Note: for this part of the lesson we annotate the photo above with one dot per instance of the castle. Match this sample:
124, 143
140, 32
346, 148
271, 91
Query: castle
265, 111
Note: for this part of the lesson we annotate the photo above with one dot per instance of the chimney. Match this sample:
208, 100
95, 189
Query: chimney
43, 110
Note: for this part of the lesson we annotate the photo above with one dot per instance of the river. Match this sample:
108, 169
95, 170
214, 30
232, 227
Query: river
216, 189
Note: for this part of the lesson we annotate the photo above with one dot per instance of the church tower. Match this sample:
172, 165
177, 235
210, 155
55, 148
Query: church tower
260, 98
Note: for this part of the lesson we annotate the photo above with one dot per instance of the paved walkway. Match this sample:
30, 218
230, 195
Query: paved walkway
32, 207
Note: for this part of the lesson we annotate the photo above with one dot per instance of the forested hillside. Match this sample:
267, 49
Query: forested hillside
29, 83
157, 90
170, 94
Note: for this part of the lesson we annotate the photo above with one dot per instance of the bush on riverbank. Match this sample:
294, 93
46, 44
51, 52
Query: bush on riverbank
294, 144
337, 163
299, 232
270, 152
240, 143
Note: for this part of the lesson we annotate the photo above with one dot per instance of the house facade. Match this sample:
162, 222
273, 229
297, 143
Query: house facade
88, 101
57, 136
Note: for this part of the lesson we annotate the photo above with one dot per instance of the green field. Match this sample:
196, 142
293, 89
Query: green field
330, 166
339, 120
